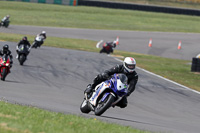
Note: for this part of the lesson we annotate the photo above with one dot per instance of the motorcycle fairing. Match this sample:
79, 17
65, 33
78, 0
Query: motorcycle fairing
39, 38
23, 49
97, 93
4, 62
114, 84
119, 88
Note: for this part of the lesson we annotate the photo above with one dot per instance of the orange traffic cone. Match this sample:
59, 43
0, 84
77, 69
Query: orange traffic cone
179, 45
150, 43
117, 40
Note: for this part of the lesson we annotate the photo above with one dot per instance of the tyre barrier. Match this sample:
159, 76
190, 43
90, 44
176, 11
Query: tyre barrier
140, 7
195, 64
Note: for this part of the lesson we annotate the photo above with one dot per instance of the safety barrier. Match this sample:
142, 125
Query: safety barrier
195, 64
61, 2
130, 6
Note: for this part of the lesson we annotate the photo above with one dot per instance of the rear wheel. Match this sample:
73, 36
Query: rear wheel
102, 106
84, 107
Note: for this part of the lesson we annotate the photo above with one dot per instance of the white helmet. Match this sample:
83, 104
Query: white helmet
129, 64
43, 32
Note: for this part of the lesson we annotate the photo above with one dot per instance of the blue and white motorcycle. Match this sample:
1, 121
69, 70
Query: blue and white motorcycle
106, 94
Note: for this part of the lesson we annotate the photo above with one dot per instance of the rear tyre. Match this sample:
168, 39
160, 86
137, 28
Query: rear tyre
84, 107
103, 106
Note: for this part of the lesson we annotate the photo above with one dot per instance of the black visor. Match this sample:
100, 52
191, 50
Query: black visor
132, 66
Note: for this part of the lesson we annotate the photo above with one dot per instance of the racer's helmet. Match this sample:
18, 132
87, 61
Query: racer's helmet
8, 16
24, 38
5, 48
129, 64
43, 32
114, 43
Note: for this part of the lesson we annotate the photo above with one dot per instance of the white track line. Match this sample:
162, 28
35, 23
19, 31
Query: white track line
187, 88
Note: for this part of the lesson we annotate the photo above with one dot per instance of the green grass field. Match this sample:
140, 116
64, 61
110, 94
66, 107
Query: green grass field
23, 119
96, 18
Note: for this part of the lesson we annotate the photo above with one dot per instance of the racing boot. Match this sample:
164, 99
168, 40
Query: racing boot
88, 89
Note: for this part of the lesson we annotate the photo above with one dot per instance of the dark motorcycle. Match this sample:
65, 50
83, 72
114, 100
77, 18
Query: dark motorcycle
4, 67
38, 41
23, 52
5, 23
106, 94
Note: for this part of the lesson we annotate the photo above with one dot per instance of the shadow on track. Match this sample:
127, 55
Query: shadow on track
11, 81
121, 119
32, 66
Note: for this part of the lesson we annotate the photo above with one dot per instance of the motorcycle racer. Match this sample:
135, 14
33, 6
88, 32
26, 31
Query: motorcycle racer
44, 35
6, 18
127, 68
108, 47
23, 41
5, 51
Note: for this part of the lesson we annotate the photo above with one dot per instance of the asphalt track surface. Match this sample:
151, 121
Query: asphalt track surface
54, 79
163, 44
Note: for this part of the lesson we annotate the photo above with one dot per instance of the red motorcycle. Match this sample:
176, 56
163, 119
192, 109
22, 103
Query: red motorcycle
108, 48
4, 66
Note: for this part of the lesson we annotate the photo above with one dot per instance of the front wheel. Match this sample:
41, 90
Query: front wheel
22, 59
6, 25
3, 74
84, 107
34, 45
102, 106
101, 51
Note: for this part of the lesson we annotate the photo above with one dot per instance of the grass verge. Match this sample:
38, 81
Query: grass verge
174, 69
23, 13
24, 119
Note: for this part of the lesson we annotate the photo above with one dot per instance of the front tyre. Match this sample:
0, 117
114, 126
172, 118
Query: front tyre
4, 73
34, 45
22, 59
6, 25
84, 107
101, 51
102, 106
